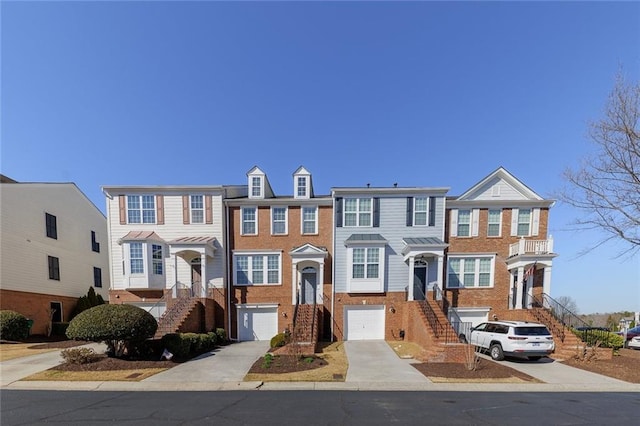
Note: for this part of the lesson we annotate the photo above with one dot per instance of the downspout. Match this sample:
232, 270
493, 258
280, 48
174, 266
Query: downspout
109, 249
333, 266
226, 266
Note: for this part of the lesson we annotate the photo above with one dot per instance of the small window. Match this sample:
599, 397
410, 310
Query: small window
357, 211
302, 186
256, 186
95, 246
420, 211
366, 262
197, 209
54, 268
309, 220
52, 227
524, 222
249, 221
493, 223
157, 259
464, 223
279, 220
97, 277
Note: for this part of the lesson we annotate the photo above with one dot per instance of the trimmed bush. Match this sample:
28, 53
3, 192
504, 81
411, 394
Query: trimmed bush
13, 326
80, 355
278, 340
601, 338
221, 336
187, 345
87, 302
119, 326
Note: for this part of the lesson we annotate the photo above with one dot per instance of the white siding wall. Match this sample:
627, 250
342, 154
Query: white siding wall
498, 189
393, 227
25, 246
173, 228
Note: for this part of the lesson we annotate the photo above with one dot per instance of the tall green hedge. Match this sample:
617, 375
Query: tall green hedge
119, 326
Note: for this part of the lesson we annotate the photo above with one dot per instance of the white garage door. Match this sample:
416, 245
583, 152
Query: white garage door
364, 322
257, 323
475, 317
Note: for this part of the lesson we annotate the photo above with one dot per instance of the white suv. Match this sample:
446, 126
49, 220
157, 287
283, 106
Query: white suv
516, 338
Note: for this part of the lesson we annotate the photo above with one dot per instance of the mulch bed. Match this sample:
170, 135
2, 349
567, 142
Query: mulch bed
105, 363
486, 370
287, 364
625, 366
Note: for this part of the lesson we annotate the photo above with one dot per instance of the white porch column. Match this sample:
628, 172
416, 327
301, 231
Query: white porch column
529, 292
320, 284
294, 280
440, 278
518, 293
412, 262
546, 280
203, 275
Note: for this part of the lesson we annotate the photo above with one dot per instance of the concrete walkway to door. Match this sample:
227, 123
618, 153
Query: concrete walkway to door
375, 361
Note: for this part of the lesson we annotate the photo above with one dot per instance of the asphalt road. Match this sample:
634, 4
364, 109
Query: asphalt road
316, 408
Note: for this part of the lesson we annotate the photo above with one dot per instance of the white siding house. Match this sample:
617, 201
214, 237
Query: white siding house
53, 249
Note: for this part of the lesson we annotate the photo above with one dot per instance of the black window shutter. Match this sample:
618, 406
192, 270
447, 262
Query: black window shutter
339, 212
376, 212
432, 211
409, 211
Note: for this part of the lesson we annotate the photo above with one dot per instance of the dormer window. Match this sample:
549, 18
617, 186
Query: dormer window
302, 187
256, 187
302, 183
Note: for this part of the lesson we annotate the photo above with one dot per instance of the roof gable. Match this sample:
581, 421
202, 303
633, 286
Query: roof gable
308, 249
499, 185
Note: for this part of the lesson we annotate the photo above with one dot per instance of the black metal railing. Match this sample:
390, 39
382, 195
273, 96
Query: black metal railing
181, 296
462, 329
437, 328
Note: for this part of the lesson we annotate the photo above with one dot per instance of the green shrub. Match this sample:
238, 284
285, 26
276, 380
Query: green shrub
601, 338
80, 355
267, 360
119, 326
186, 345
59, 328
175, 344
278, 340
87, 302
13, 326
222, 336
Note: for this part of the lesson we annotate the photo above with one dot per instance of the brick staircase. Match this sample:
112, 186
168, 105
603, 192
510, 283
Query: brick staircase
305, 331
439, 340
567, 343
176, 315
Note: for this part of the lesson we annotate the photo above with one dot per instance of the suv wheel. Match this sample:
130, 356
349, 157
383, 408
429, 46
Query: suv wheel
496, 352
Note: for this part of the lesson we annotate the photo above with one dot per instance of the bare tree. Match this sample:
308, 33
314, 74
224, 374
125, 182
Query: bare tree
606, 185
569, 303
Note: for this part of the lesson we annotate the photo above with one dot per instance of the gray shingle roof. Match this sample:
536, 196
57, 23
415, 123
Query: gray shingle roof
425, 241
365, 237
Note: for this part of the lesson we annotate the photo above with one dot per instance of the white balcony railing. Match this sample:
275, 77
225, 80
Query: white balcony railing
531, 247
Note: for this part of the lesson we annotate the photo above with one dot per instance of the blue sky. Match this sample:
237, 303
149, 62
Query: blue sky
418, 93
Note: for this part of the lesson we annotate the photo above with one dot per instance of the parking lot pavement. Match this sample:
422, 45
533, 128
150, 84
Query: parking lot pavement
375, 361
224, 364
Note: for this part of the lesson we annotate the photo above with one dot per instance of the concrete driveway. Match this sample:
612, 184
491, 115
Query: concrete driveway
375, 361
224, 364
553, 372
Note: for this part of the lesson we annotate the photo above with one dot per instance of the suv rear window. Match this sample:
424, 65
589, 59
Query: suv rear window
531, 331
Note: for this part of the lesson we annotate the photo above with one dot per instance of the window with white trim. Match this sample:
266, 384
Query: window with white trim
309, 220
366, 262
470, 272
157, 259
464, 223
256, 186
420, 211
494, 223
141, 209
302, 186
257, 269
524, 222
136, 258
357, 211
249, 220
278, 220
366, 269
197, 208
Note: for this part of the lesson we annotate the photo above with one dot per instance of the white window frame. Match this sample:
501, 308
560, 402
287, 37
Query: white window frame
520, 222
256, 188
499, 223
242, 220
303, 221
141, 208
137, 258
425, 211
358, 212
468, 234
302, 191
366, 285
265, 268
193, 209
463, 261
285, 220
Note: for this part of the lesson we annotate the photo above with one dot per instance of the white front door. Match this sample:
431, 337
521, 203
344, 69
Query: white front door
364, 322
